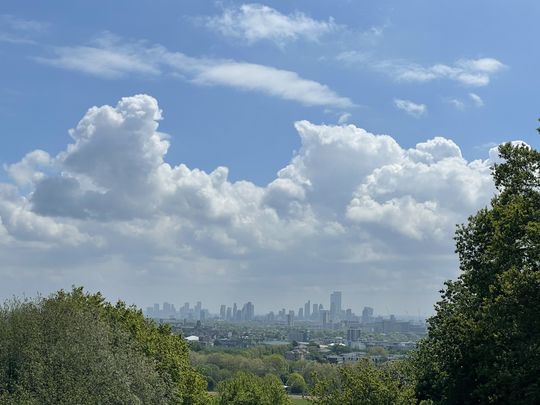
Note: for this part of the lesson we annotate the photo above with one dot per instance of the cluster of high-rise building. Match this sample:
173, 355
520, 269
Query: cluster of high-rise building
308, 312
234, 313
308, 315
168, 311
198, 313
317, 313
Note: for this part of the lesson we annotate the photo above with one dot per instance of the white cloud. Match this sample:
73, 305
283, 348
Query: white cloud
411, 108
280, 83
25, 172
458, 104
344, 118
256, 22
470, 72
476, 99
354, 57
110, 57
22, 25
495, 157
350, 205
19, 31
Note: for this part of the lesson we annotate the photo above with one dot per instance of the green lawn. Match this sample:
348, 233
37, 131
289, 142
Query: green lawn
299, 401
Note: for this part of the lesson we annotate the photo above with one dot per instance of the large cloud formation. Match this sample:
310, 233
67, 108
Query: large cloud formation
352, 210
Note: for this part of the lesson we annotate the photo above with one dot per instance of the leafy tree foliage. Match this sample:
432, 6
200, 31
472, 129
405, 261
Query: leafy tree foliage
483, 344
249, 389
76, 348
296, 384
364, 383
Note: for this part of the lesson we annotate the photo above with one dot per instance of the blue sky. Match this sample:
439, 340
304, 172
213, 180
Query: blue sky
231, 80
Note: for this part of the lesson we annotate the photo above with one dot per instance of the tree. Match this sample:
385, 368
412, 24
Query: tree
74, 347
364, 383
54, 353
483, 344
296, 384
248, 389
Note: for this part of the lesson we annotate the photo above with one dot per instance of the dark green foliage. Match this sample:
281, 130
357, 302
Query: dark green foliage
365, 383
248, 389
483, 344
74, 348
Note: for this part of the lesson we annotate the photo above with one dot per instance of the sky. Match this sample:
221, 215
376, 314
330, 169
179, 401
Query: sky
268, 152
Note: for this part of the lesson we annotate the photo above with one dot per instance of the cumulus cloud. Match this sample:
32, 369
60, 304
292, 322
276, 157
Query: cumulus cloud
410, 107
350, 201
256, 22
112, 58
26, 171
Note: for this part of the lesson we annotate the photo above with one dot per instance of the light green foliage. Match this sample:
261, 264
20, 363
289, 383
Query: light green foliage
217, 366
296, 384
249, 389
483, 344
74, 348
378, 351
365, 383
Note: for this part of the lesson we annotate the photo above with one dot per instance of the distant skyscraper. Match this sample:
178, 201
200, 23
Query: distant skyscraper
367, 314
222, 311
300, 313
290, 318
335, 305
234, 311
248, 311
307, 309
229, 313
324, 316
315, 313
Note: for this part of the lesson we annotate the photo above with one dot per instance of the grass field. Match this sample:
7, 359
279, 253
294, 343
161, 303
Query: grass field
299, 401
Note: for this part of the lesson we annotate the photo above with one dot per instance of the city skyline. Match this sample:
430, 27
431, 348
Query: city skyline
229, 311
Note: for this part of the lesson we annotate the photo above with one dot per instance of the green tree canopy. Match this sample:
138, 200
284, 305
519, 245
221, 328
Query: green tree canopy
76, 348
483, 344
248, 389
366, 384
296, 384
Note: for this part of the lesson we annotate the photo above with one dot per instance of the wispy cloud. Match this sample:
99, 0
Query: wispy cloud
476, 99
344, 118
257, 22
411, 108
20, 24
458, 104
110, 57
16, 30
469, 72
